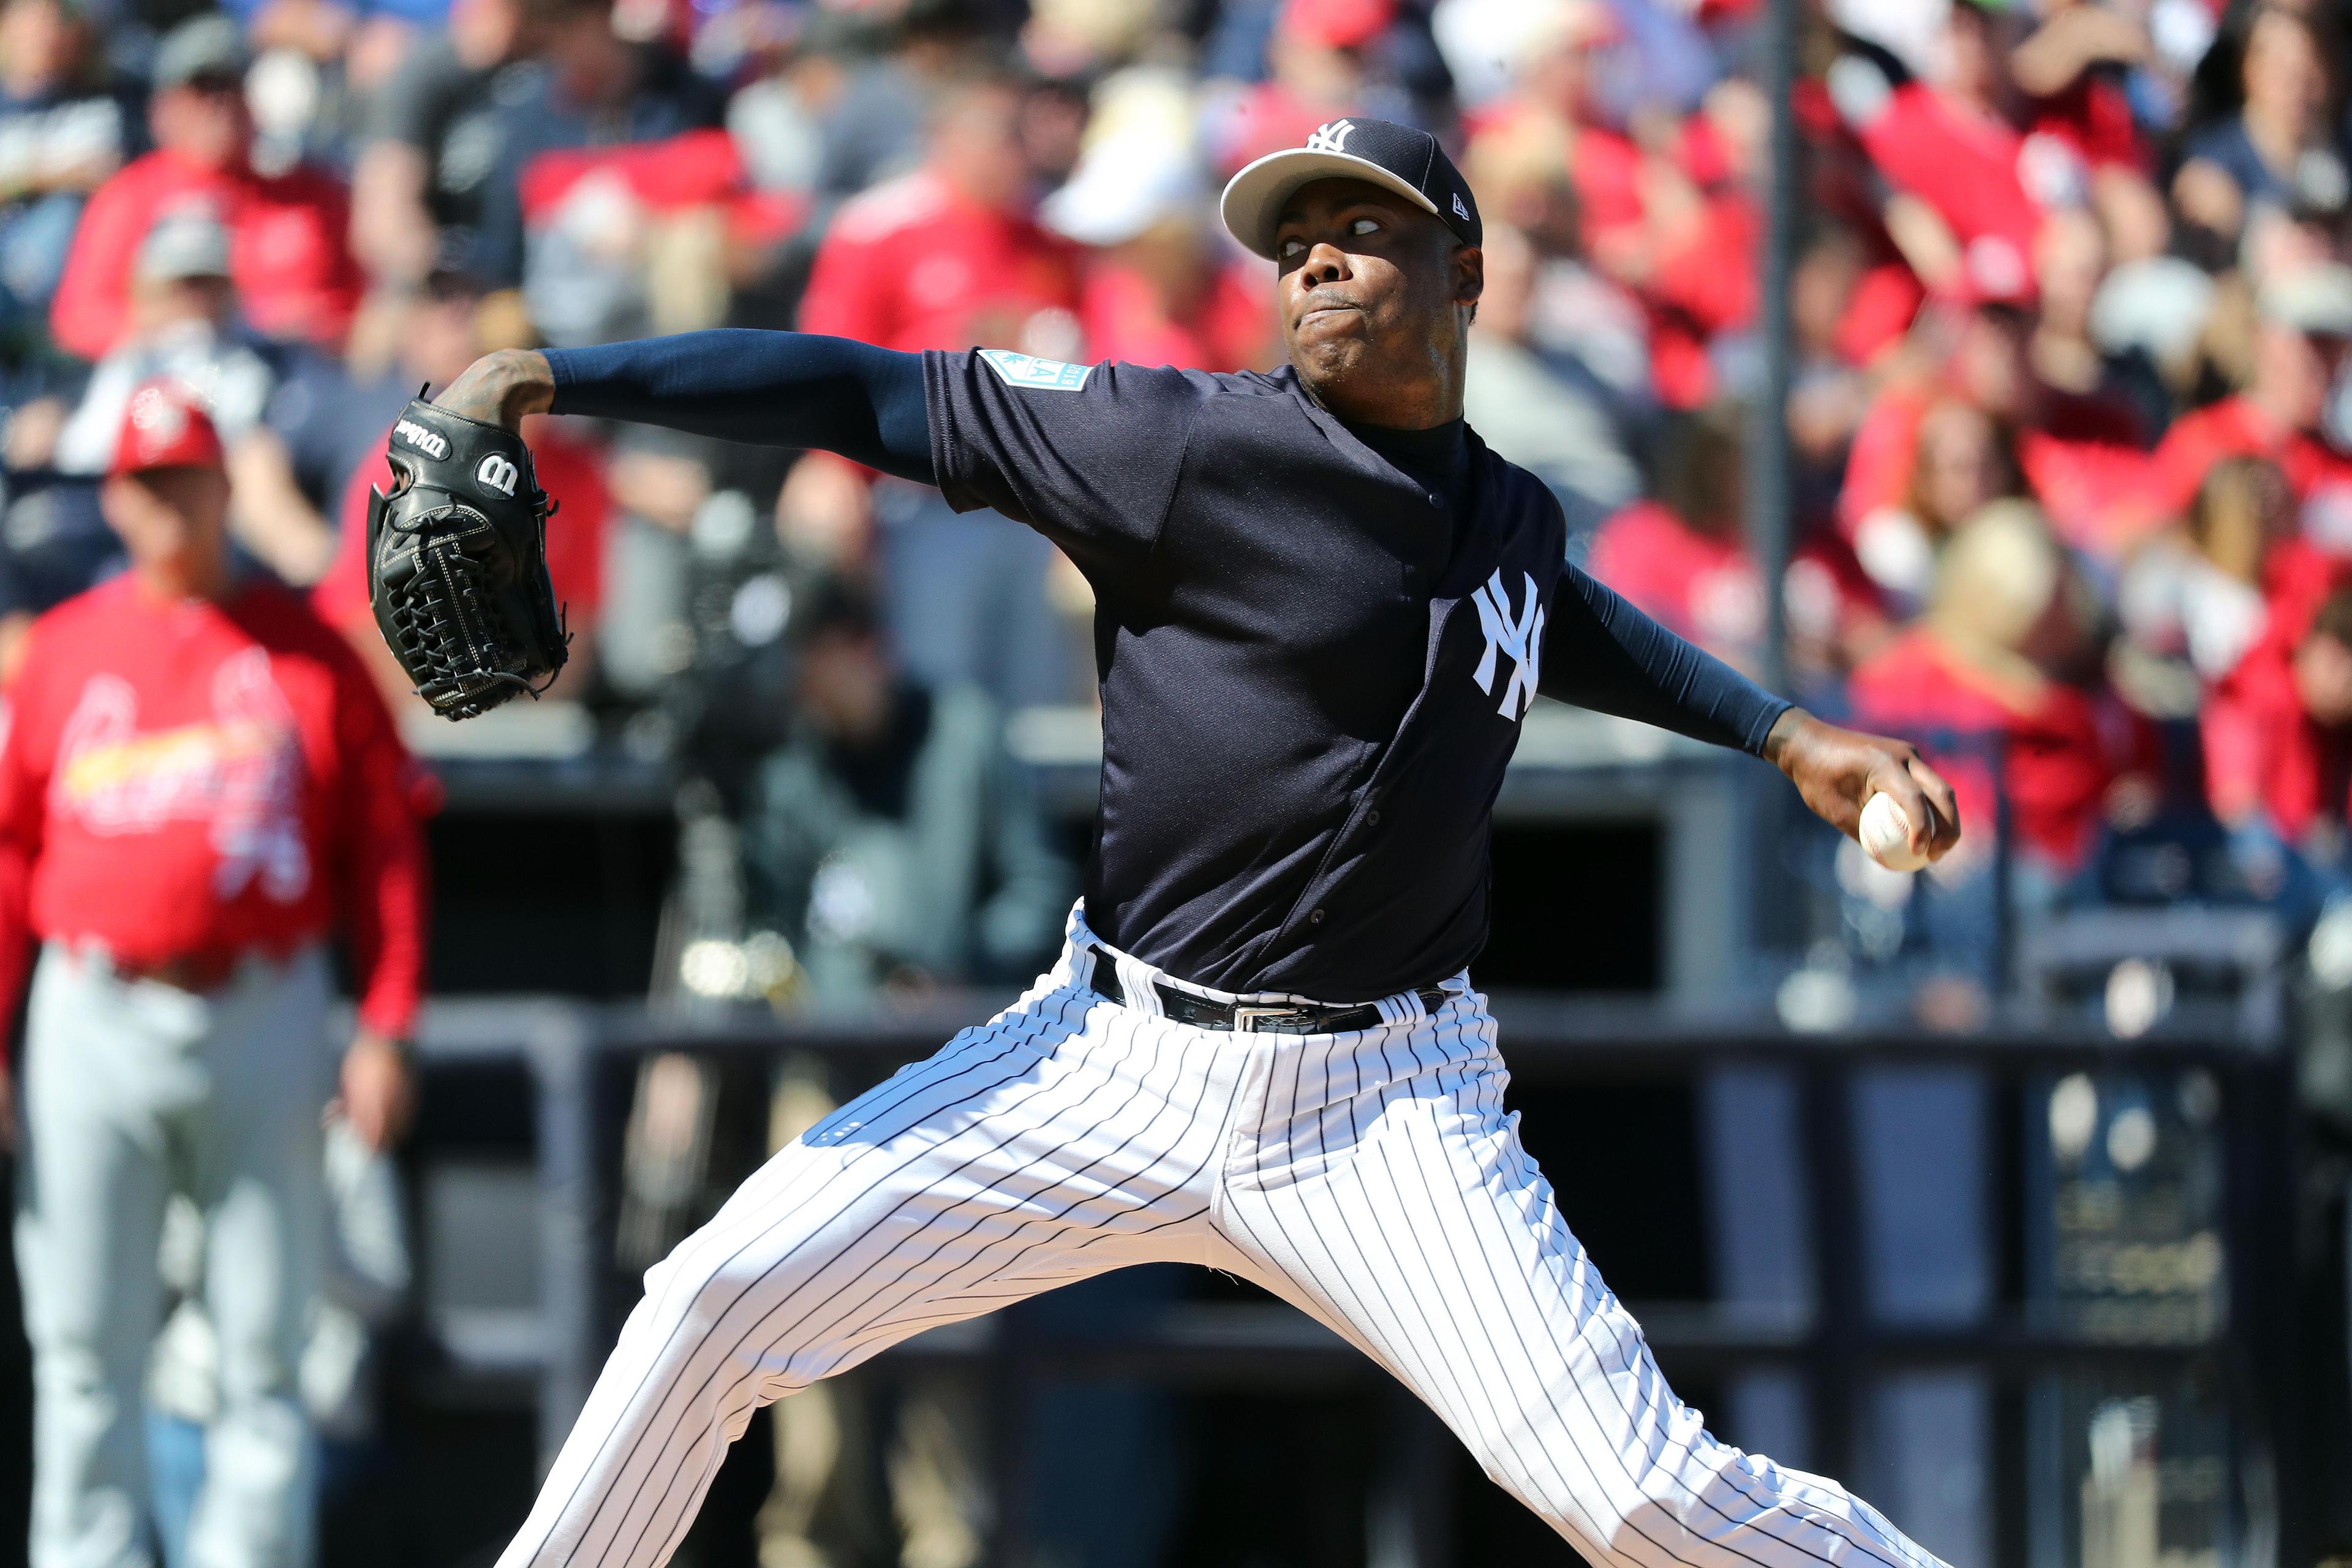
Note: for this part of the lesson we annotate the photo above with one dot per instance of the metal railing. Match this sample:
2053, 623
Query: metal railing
580, 1059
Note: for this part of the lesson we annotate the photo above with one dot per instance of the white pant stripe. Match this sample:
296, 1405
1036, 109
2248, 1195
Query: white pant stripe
693, 1261
985, 1255
1408, 1346
1633, 1361
1406, 1356
1500, 1378
1373, 1179
765, 1329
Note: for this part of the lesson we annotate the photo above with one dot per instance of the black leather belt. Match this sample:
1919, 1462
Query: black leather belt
1254, 1017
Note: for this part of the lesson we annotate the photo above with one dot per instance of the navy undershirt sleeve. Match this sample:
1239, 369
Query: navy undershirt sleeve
772, 389
1601, 653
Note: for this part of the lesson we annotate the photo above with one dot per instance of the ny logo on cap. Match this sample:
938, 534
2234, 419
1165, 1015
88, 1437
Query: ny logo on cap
1520, 638
1331, 137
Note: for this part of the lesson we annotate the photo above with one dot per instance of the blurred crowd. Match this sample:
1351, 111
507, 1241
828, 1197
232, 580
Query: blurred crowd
2070, 420
2071, 429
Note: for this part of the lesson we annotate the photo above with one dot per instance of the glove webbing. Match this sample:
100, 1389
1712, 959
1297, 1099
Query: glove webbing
448, 617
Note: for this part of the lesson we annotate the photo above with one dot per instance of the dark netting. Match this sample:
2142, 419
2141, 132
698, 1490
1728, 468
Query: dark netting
450, 618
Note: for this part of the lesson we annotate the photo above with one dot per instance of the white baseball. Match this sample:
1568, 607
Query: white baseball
1885, 833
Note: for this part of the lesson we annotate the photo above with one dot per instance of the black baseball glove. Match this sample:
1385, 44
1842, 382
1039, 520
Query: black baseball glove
458, 563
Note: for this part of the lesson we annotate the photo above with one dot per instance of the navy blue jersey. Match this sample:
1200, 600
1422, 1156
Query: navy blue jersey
1315, 657
1314, 668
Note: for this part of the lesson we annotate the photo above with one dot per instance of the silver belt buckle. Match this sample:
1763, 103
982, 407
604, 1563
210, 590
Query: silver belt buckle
1245, 1018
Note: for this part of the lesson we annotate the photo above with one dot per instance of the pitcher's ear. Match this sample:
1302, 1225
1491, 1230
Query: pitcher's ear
1469, 275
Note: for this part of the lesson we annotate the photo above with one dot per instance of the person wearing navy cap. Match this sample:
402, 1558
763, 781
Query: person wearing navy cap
1324, 607
1398, 159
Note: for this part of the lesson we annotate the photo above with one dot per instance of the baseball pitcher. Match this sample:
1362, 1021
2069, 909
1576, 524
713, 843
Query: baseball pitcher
1324, 609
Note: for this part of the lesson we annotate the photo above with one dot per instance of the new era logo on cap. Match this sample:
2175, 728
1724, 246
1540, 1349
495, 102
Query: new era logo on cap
1398, 158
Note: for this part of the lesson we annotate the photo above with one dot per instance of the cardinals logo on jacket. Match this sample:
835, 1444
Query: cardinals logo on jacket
240, 772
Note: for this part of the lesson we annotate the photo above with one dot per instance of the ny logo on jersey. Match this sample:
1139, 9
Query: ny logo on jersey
1517, 637
1331, 137
499, 473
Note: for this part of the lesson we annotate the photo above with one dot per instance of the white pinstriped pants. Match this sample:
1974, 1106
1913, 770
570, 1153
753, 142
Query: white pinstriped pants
1371, 1179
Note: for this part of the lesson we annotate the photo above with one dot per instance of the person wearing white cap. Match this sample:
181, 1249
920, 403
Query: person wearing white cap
2303, 330
185, 330
1325, 607
1156, 288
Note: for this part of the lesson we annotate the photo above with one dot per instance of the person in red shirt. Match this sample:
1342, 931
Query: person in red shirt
1667, 217
1553, 93
948, 256
2074, 66
1998, 662
1681, 558
197, 787
2299, 342
2078, 455
290, 253
1157, 287
1958, 460
1319, 66
1967, 190
2276, 729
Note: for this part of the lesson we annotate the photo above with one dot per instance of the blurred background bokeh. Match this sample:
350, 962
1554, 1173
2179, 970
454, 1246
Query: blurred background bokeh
2014, 1193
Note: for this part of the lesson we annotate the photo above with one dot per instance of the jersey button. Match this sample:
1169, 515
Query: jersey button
1372, 819
1316, 919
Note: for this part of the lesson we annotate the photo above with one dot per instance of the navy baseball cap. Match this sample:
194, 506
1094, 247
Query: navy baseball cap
1379, 152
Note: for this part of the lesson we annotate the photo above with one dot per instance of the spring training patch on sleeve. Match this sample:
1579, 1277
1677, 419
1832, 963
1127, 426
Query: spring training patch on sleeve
1035, 374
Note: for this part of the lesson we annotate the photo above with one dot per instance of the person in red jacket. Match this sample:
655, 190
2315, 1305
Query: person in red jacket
1680, 557
2276, 730
2305, 325
290, 252
198, 785
1998, 658
1966, 191
949, 257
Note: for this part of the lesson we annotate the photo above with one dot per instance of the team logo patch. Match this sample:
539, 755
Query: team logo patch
498, 472
1331, 136
239, 769
1517, 637
1460, 211
1035, 374
159, 414
425, 441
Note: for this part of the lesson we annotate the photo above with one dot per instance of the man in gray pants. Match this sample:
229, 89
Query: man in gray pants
198, 784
